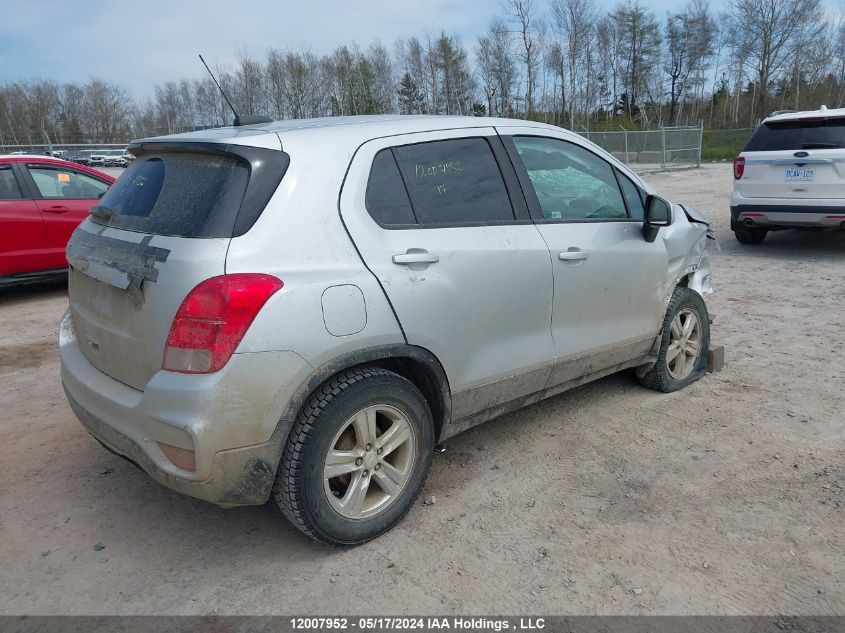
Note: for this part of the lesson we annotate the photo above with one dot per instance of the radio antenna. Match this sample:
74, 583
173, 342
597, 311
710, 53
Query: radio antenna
237, 121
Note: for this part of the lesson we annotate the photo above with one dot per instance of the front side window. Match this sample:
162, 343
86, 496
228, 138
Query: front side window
571, 182
9, 189
454, 182
58, 182
634, 196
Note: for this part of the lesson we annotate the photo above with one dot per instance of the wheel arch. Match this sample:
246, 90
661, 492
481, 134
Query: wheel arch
414, 363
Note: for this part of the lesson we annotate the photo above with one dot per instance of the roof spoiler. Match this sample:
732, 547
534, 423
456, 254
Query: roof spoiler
251, 119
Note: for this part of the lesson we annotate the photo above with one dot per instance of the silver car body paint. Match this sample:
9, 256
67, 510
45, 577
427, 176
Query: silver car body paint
499, 317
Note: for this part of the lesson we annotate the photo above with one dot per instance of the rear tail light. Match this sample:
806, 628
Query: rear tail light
213, 319
739, 167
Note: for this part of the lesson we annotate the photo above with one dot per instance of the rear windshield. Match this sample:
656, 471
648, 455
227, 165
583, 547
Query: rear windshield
785, 135
177, 194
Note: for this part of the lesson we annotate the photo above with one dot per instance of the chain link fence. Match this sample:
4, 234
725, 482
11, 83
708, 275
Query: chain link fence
664, 148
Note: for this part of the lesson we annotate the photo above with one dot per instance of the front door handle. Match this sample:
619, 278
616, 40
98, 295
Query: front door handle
415, 256
573, 255
57, 209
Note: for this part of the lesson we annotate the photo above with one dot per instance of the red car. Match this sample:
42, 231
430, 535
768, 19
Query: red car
42, 200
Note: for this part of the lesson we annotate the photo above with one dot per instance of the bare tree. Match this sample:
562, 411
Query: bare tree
689, 45
772, 31
521, 12
575, 21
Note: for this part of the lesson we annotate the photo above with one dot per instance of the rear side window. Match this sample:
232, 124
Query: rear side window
178, 194
8, 186
454, 182
795, 135
387, 200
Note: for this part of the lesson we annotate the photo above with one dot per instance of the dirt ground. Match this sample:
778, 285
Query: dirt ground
725, 498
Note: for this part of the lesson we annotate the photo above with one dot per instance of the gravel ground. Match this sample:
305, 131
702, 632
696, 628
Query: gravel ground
725, 498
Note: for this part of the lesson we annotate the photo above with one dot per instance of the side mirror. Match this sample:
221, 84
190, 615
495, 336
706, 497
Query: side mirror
658, 213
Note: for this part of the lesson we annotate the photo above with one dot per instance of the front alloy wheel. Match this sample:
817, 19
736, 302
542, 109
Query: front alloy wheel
684, 344
684, 341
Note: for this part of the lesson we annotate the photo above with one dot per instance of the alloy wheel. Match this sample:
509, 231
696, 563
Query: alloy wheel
684, 344
370, 461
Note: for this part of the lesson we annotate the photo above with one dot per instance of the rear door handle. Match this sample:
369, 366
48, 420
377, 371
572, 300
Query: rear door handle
415, 256
57, 209
572, 255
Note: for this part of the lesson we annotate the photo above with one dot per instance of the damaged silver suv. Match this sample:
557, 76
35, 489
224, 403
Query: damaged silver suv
304, 309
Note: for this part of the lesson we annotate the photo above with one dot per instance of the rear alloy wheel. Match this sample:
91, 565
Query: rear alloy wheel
356, 458
684, 342
750, 236
370, 462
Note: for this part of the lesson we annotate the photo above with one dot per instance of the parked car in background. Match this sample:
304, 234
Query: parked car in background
115, 158
42, 200
97, 158
791, 175
82, 157
304, 309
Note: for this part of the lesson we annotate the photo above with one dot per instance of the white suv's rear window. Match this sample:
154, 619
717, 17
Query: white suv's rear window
797, 135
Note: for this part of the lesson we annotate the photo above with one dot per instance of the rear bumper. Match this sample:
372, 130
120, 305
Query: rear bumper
230, 419
763, 215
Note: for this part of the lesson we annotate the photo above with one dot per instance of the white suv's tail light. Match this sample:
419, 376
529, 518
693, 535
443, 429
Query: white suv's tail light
739, 167
213, 319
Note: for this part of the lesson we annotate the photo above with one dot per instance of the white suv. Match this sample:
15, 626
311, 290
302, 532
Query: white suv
303, 309
791, 174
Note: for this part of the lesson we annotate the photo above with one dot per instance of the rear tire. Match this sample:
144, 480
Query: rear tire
356, 458
682, 358
750, 236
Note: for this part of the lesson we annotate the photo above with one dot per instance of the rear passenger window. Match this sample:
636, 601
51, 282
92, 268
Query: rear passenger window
387, 201
454, 182
8, 187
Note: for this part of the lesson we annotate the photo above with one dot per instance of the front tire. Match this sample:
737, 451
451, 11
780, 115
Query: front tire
356, 458
684, 342
750, 236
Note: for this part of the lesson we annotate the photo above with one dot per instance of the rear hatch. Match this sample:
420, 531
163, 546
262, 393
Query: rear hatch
161, 229
797, 158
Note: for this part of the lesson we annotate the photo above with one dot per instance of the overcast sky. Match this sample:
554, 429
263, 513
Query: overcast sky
143, 42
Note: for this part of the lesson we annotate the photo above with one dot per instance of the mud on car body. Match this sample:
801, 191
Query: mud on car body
301, 310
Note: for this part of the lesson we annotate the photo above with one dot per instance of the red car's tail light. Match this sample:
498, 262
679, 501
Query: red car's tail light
739, 167
213, 319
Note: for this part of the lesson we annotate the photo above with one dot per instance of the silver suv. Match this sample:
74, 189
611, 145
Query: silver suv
304, 309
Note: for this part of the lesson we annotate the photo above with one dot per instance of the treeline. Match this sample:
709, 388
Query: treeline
576, 63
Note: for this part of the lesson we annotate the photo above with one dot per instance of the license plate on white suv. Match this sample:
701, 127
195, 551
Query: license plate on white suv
800, 174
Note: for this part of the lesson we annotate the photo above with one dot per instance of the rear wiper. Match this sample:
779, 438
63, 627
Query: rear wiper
101, 212
820, 146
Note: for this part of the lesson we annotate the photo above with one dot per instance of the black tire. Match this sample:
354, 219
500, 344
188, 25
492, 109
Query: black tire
659, 376
750, 236
299, 485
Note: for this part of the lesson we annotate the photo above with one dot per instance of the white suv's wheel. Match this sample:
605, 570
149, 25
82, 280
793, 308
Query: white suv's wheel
356, 458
